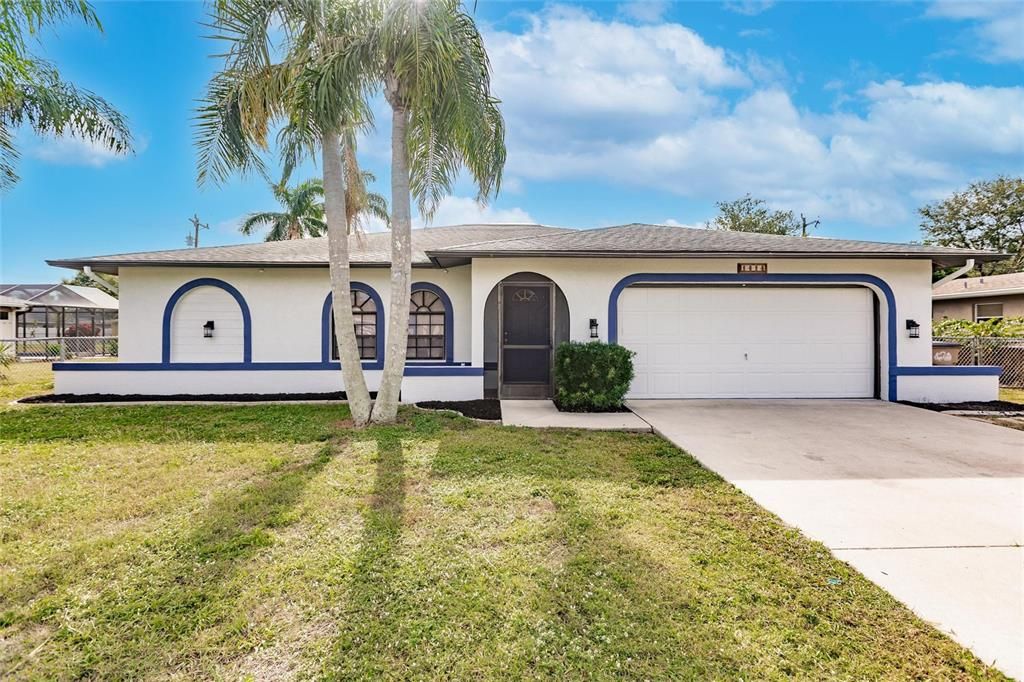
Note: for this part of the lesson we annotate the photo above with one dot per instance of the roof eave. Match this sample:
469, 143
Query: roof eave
980, 293
447, 258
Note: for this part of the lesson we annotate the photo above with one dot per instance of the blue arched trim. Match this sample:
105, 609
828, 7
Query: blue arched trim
728, 278
325, 326
449, 330
207, 282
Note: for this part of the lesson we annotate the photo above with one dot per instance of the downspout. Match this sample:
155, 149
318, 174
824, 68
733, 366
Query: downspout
956, 273
105, 285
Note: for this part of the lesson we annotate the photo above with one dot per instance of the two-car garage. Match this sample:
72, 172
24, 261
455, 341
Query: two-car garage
754, 341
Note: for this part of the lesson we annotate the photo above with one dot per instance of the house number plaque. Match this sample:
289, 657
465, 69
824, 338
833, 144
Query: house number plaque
752, 268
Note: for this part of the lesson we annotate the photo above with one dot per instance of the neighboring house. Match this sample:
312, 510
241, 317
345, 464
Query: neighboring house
710, 314
980, 298
55, 310
9, 307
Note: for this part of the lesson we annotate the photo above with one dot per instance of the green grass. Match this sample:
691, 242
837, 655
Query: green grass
266, 542
22, 379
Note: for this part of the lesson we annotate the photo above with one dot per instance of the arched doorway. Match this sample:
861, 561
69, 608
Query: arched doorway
526, 316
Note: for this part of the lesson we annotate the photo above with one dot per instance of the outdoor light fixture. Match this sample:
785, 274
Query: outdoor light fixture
208, 329
593, 328
913, 329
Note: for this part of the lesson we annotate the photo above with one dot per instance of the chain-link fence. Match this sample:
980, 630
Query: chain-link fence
29, 361
1005, 352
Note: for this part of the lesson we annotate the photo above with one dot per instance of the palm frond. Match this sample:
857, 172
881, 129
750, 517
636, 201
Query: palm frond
257, 221
51, 106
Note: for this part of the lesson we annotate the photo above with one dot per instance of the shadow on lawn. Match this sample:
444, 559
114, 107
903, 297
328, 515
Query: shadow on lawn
178, 589
371, 595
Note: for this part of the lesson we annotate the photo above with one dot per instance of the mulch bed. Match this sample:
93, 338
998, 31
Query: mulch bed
477, 409
978, 406
212, 397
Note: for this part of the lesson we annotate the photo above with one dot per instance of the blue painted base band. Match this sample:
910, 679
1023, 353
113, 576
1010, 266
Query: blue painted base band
950, 370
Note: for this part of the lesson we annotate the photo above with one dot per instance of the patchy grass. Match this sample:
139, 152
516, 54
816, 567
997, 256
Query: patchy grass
23, 379
1013, 395
272, 542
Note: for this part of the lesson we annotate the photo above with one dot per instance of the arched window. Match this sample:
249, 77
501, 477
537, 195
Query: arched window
364, 313
426, 326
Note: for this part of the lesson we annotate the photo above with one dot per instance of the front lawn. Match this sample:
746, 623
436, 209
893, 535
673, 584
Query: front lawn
271, 541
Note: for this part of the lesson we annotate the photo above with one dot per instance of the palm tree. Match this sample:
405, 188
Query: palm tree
303, 214
436, 78
32, 92
317, 88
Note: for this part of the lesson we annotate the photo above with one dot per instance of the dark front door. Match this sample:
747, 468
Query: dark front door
526, 314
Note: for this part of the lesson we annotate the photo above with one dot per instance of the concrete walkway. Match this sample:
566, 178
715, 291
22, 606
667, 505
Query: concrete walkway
928, 506
542, 414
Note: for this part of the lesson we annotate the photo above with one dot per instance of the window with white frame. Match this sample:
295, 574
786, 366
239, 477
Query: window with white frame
364, 314
987, 311
426, 326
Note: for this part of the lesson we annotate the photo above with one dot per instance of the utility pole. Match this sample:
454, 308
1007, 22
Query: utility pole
805, 223
193, 239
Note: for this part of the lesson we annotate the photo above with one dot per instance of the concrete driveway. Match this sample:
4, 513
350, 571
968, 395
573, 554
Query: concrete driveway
928, 506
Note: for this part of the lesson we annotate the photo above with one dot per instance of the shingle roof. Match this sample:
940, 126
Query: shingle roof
11, 302
970, 287
64, 295
663, 240
366, 249
454, 245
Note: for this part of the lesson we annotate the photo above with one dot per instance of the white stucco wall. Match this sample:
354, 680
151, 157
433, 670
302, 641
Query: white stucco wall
414, 388
948, 389
285, 304
587, 284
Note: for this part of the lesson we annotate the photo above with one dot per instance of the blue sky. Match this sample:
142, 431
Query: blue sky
854, 113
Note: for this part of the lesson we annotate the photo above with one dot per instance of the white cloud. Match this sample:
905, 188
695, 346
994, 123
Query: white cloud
569, 65
749, 7
455, 210
74, 151
644, 11
997, 26
755, 33
914, 141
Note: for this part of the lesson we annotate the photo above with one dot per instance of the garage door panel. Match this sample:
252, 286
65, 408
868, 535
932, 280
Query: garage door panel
749, 342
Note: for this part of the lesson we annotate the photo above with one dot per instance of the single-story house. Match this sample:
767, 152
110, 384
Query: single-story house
710, 314
51, 311
980, 298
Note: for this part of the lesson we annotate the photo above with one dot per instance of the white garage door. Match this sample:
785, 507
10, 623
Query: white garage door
749, 342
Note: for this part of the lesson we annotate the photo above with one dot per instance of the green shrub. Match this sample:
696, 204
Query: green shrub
1006, 326
592, 377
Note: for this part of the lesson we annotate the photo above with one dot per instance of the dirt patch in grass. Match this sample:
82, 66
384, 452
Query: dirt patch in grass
489, 410
212, 542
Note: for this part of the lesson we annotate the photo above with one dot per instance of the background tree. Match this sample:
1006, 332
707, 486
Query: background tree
436, 79
988, 215
753, 215
32, 92
303, 214
83, 280
312, 83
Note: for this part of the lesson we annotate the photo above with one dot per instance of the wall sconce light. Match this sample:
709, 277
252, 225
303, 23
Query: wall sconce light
208, 329
913, 329
593, 328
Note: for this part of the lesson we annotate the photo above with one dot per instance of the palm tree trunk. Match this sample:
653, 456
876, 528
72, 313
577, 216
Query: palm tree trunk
385, 409
341, 279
